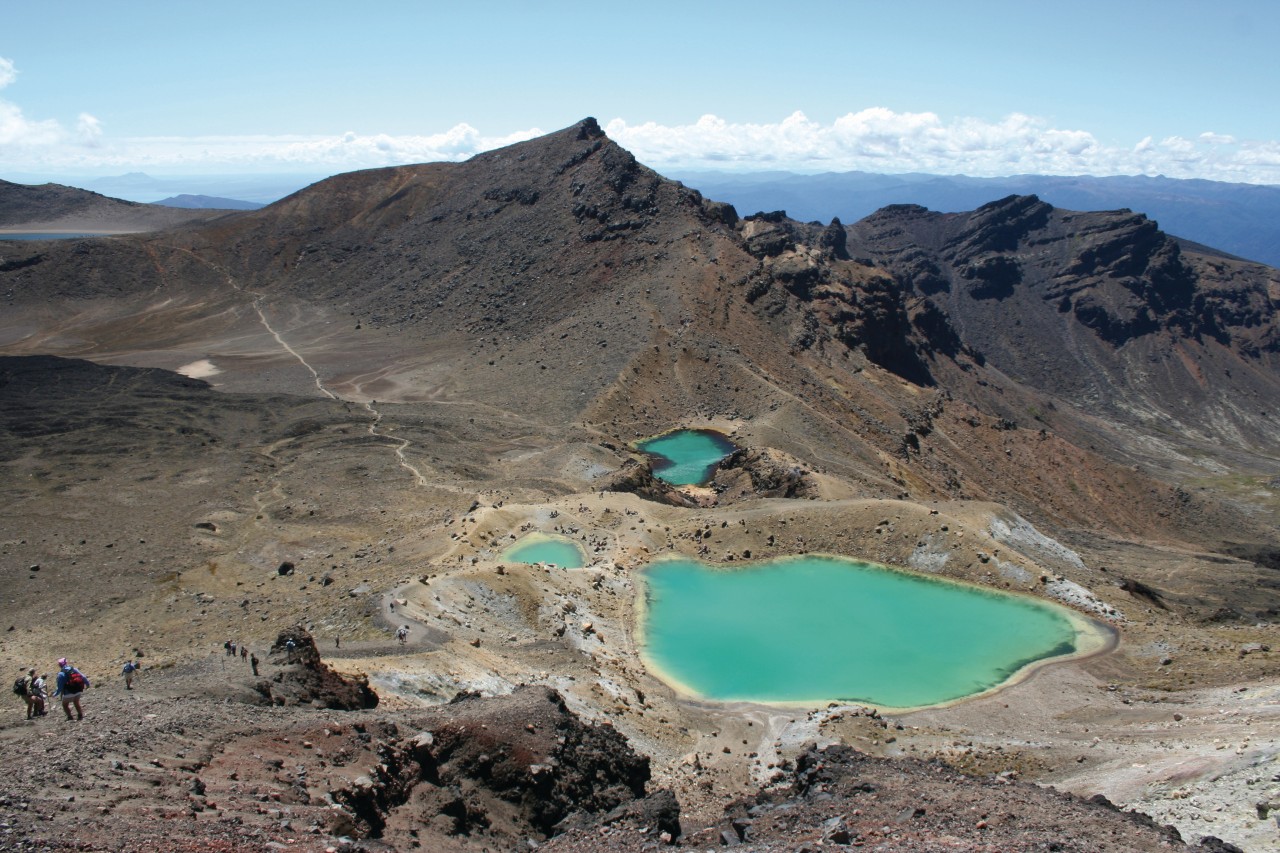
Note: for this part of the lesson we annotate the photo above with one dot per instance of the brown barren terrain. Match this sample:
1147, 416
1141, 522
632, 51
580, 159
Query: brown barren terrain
338, 411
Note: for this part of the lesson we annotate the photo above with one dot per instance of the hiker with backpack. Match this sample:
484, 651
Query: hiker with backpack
130, 667
71, 684
22, 687
39, 693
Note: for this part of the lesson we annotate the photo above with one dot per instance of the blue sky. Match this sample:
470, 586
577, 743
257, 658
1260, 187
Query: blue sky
1172, 87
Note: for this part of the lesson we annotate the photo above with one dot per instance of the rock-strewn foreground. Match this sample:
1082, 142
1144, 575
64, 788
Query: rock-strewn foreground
336, 412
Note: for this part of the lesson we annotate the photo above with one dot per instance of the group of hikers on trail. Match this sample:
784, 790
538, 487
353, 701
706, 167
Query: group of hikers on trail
232, 649
69, 686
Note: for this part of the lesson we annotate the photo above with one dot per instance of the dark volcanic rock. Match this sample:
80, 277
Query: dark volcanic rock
306, 679
1070, 303
766, 473
842, 798
635, 477
502, 769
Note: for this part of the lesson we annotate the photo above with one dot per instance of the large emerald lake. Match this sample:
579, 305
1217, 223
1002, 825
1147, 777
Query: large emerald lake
687, 456
817, 629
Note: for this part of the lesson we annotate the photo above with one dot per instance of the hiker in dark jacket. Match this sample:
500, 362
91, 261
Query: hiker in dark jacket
71, 684
23, 688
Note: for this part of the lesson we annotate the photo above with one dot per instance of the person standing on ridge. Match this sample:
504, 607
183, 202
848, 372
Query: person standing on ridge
71, 685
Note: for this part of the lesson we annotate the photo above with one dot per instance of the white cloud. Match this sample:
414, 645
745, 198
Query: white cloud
1217, 138
17, 131
90, 130
15, 128
880, 140
875, 139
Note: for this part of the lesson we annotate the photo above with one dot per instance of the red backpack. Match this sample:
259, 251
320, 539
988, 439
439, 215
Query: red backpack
75, 682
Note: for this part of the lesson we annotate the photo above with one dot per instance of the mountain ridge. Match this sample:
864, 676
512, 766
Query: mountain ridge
513, 260
53, 207
1236, 218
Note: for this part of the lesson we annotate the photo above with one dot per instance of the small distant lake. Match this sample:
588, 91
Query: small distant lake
686, 457
817, 629
543, 548
46, 235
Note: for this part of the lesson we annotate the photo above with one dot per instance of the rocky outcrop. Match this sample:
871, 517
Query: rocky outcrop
498, 771
305, 679
761, 473
839, 798
636, 477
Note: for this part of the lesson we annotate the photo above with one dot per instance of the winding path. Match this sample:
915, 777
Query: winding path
400, 444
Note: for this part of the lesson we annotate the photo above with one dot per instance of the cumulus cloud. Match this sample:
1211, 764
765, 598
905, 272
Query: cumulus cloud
15, 128
89, 130
875, 139
881, 140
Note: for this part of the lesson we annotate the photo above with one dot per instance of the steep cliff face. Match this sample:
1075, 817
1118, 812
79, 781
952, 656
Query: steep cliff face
1102, 309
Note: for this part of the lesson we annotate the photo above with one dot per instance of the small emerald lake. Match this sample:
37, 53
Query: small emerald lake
542, 548
816, 629
686, 457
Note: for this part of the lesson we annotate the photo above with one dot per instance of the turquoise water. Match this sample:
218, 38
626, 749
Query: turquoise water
819, 629
546, 549
688, 456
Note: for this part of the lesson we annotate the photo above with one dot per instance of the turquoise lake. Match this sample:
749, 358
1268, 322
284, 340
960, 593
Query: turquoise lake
554, 550
686, 457
819, 629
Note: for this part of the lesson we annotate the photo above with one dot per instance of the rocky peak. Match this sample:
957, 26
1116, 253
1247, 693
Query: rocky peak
589, 128
834, 240
999, 226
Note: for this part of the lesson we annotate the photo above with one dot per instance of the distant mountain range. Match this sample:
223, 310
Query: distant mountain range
159, 189
1242, 219
207, 202
56, 208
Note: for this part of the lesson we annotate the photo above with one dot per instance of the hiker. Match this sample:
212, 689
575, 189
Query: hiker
226, 647
130, 667
244, 653
39, 693
71, 684
337, 642
402, 634
253, 662
22, 687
